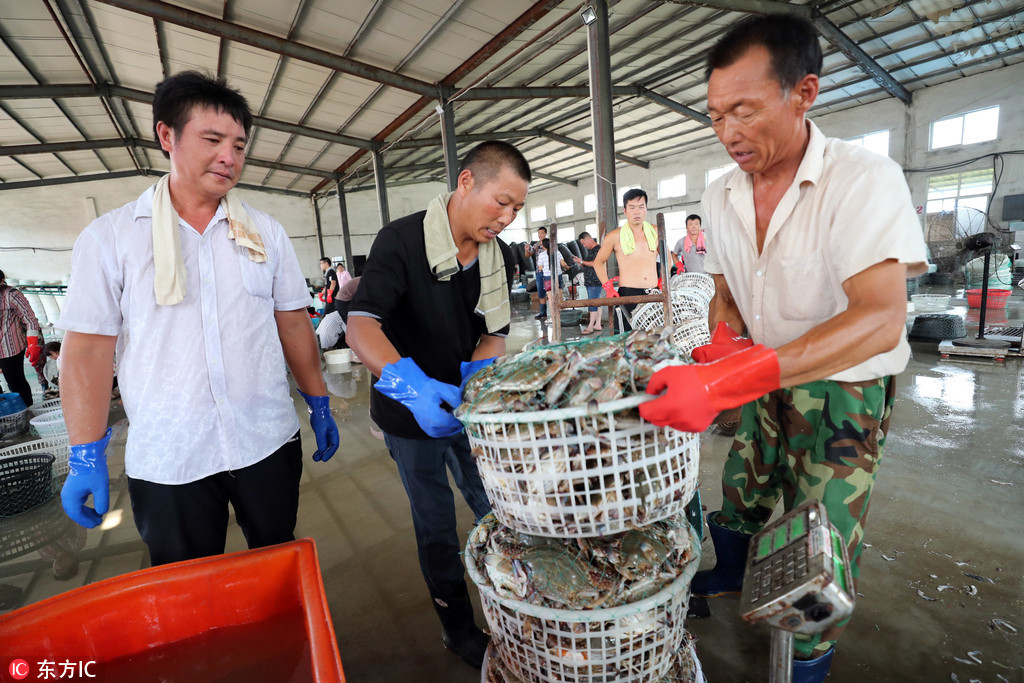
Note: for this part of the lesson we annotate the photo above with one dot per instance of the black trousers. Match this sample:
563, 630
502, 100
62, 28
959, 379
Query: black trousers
13, 368
186, 521
628, 308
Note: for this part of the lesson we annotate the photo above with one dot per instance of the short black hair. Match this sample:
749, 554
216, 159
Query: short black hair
487, 159
542, 228
178, 95
326, 260
635, 193
693, 217
583, 235
791, 41
51, 347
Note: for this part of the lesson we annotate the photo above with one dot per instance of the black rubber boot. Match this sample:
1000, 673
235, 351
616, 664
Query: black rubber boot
731, 551
459, 632
813, 670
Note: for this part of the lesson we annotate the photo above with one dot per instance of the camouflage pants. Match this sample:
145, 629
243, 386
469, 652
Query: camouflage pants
818, 440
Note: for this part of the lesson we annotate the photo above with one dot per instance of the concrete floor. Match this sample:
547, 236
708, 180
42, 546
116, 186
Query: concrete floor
948, 503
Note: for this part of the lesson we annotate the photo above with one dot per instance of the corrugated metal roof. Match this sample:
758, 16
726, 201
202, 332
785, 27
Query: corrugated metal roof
331, 80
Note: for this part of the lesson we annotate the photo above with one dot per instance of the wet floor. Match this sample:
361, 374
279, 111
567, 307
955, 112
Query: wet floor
941, 596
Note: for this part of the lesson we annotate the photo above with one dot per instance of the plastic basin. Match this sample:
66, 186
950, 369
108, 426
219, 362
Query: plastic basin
997, 298
254, 615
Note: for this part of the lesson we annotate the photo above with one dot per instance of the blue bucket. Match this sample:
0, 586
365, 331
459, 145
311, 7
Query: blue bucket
11, 404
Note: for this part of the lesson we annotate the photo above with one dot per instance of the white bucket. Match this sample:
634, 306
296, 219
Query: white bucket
338, 360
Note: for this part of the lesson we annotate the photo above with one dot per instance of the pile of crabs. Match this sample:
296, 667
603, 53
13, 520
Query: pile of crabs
588, 582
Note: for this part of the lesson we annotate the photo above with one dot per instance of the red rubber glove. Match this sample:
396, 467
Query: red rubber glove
695, 394
609, 289
659, 283
33, 351
724, 342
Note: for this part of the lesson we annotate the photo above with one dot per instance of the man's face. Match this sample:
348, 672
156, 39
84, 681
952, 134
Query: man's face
758, 123
542, 234
636, 211
207, 158
693, 228
325, 266
492, 205
588, 242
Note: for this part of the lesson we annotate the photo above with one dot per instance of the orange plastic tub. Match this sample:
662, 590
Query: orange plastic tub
257, 615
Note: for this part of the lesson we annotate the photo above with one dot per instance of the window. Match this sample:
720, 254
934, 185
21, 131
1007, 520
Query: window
589, 203
563, 208
515, 231
969, 189
965, 129
672, 187
592, 229
538, 214
877, 142
716, 173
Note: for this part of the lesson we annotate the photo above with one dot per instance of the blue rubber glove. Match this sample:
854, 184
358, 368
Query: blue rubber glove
87, 463
324, 426
406, 383
471, 368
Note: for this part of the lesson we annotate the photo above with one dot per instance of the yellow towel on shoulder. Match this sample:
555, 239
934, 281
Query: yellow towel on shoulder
629, 243
168, 263
442, 257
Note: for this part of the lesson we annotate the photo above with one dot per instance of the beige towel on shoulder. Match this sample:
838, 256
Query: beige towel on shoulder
442, 257
168, 264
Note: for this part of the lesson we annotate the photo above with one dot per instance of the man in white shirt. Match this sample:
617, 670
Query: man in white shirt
202, 301
810, 242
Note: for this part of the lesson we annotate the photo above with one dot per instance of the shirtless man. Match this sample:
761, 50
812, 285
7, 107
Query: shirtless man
636, 250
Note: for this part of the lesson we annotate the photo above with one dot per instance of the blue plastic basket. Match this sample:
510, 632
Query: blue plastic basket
11, 403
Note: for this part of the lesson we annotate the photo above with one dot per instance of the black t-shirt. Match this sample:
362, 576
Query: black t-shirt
432, 322
590, 278
331, 282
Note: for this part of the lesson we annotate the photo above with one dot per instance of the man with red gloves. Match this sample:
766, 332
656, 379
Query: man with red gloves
19, 339
432, 308
201, 298
810, 241
635, 245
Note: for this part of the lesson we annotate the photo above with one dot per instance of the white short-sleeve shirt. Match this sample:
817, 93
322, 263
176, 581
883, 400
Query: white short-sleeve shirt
847, 210
204, 381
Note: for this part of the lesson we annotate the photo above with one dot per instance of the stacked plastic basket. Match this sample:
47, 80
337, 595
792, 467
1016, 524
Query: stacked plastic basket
583, 474
13, 415
691, 298
37, 469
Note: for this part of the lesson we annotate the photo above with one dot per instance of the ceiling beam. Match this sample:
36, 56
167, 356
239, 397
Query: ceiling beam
541, 92
832, 33
204, 23
587, 146
114, 175
22, 92
675, 106
51, 147
413, 143
556, 179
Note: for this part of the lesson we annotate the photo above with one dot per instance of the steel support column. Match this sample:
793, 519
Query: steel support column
451, 154
346, 230
319, 228
380, 182
599, 64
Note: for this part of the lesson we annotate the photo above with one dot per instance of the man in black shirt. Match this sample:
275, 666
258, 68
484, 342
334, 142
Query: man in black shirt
589, 249
330, 291
431, 309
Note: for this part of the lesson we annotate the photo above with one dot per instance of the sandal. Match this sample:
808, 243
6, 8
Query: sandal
587, 331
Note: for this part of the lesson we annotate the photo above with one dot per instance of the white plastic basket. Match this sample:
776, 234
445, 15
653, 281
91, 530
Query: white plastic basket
930, 303
39, 406
50, 424
58, 447
634, 642
691, 328
584, 471
13, 424
699, 286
